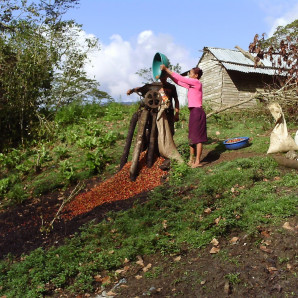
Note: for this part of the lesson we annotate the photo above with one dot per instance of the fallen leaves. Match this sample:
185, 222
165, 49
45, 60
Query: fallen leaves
215, 249
272, 269
214, 241
140, 261
146, 268
104, 280
164, 224
111, 293
234, 240
138, 277
265, 249
287, 226
207, 211
217, 220
124, 270
177, 259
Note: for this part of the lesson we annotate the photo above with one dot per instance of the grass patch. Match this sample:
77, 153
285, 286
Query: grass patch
105, 246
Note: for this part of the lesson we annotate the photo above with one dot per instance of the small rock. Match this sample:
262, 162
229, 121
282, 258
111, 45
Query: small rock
291, 155
277, 287
152, 290
227, 288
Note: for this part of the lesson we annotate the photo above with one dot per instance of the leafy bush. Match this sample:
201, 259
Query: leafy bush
62, 152
17, 193
67, 170
4, 185
76, 111
97, 160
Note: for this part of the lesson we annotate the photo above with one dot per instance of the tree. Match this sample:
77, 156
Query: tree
42, 60
282, 50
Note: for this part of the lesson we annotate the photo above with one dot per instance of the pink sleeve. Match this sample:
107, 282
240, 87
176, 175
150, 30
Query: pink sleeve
185, 80
179, 82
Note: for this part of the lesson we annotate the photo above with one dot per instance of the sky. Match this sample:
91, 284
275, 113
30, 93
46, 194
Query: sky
130, 32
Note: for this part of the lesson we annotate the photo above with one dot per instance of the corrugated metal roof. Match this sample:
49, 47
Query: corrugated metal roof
235, 60
248, 69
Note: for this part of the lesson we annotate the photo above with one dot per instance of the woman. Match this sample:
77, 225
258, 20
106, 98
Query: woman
197, 119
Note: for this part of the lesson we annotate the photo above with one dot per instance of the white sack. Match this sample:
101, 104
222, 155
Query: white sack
280, 140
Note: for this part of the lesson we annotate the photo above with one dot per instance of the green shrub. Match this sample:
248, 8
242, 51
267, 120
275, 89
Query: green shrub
97, 160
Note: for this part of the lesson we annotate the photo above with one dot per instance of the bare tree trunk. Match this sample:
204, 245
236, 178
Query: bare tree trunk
249, 56
287, 162
132, 126
138, 146
152, 141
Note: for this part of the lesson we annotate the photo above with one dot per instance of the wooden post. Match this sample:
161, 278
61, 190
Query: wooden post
138, 146
152, 141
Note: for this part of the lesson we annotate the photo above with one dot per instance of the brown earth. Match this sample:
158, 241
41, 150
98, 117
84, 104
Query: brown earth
264, 266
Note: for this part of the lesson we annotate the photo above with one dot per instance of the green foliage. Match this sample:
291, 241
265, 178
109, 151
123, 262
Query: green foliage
178, 173
62, 152
4, 185
17, 194
242, 194
76, 111
173, 217
67, 170
233, 278
96, 161
81, 146
42, 61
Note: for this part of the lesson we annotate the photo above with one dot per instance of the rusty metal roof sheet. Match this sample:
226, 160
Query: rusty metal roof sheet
235, 60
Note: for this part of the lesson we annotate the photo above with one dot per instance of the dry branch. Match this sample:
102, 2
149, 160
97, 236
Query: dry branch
287, 95
232, 106
74, 192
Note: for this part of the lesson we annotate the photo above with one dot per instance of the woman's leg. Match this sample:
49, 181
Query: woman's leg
199, 149
191, 155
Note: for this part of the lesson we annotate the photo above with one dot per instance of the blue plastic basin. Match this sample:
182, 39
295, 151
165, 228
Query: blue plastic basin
237, 144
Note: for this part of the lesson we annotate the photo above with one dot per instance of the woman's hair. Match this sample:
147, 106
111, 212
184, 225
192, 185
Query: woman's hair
198, 71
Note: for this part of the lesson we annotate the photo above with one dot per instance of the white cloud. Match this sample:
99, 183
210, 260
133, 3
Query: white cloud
278, 13
285, 19
116, 63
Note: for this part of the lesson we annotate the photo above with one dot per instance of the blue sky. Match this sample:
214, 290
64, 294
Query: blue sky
130, 32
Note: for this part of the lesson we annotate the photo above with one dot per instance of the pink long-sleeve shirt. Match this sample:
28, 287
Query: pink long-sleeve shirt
194, 86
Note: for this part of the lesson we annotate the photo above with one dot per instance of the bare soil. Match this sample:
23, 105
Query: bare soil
242, 269
264, 266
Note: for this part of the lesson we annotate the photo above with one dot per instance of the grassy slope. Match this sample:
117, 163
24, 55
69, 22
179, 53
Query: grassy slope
241, 194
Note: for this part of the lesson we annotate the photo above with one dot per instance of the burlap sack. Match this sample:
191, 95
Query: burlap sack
166, 145
280, 140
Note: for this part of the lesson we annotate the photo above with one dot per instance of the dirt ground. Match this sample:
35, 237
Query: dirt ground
260, 267
249, 267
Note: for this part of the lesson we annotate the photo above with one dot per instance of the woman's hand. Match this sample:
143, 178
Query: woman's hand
163, 67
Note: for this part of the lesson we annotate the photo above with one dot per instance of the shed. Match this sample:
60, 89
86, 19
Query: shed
229, 77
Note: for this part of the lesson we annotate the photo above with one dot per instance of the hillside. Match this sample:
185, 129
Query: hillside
228, 227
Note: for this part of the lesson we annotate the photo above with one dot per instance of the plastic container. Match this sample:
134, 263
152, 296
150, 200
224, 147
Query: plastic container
236, 143
158, 60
